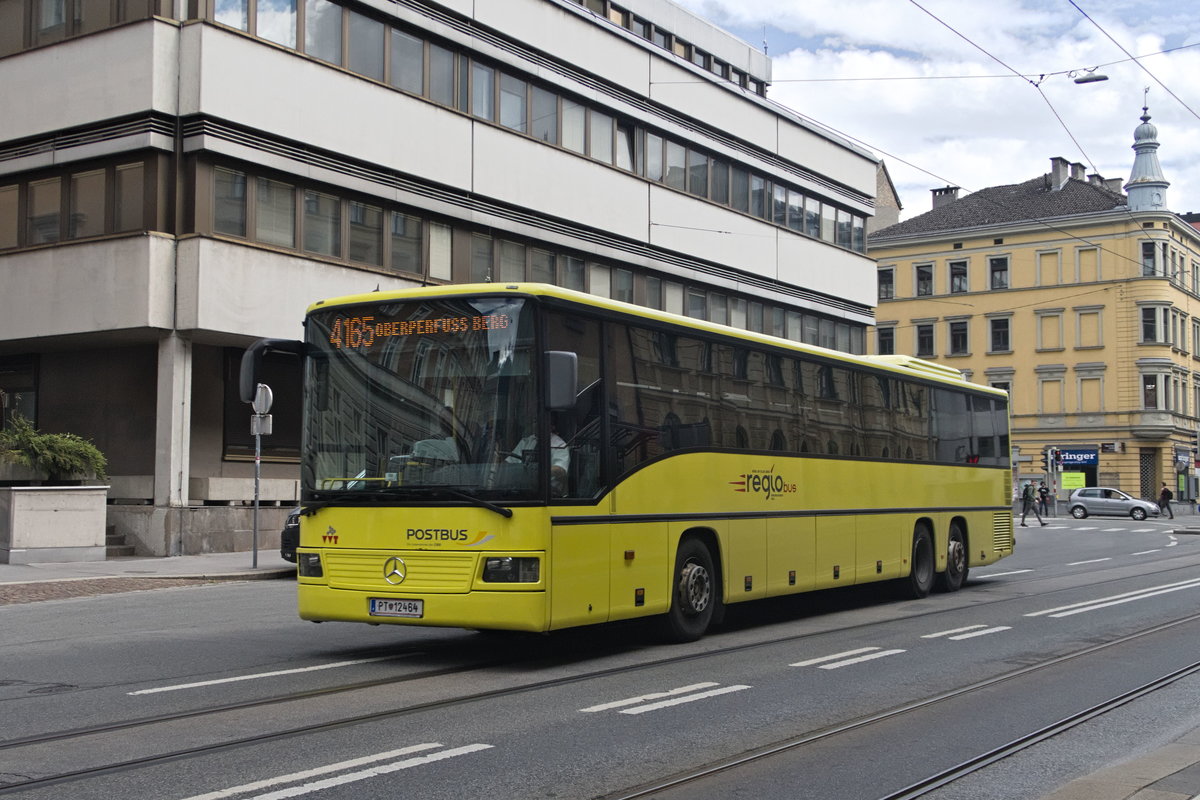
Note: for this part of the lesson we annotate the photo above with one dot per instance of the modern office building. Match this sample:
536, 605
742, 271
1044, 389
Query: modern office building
1080, 300
178, 179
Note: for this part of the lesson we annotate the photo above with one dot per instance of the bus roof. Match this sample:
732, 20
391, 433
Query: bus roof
900, 364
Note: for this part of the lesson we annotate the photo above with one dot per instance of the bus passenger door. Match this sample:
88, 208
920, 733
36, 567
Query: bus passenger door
579, 574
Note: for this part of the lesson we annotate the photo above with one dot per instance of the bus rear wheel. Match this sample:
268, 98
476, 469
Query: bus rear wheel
694, 593
956, 561
920, 579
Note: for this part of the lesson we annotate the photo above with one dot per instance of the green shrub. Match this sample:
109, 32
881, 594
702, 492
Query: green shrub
59, 455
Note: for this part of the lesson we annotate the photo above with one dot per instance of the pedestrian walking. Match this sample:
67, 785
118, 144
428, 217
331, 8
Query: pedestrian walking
1164, 501
1029, 502
1044, 498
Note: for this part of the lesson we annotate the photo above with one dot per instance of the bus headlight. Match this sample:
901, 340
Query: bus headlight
308, 565
510, 569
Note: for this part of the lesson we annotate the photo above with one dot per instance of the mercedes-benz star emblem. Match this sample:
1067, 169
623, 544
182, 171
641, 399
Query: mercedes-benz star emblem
394, 570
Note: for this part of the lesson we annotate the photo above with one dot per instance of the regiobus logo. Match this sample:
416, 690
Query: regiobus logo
763, 481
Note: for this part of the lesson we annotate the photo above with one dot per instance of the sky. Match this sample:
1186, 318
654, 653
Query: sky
978, 93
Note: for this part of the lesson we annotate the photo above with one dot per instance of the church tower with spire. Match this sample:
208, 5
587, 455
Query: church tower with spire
1147, 188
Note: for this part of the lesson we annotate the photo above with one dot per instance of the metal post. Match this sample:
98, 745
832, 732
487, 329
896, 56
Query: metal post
257, 472
260, 425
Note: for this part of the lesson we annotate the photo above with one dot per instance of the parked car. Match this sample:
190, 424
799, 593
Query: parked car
1103, 501
289, 538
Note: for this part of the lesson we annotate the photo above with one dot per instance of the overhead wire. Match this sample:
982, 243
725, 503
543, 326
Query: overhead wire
1134, 59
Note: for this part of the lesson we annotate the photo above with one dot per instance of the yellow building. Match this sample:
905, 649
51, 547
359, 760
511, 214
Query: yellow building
1081, 301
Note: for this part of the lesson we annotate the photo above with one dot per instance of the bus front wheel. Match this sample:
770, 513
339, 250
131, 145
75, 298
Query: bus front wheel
920, 579
694, 592
956, 560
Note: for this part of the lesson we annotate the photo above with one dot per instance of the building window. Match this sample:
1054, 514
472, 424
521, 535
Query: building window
18, 389
229, 215
366, 234
885, 341
323, 30
958, 338
1150, 391
925, 340
887, 283
406, 243
1004, 385
999, 330
275, 213
1152, 327
958, 277
322, 224
1149, 261
924, 280
998, 272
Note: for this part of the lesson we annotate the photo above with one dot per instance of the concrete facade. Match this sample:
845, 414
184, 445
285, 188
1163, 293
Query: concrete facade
185, 180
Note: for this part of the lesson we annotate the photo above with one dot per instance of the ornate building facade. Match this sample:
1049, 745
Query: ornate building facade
1080, 300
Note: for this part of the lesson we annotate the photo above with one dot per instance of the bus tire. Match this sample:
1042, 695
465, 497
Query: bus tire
694, 592
956, 560
920, 578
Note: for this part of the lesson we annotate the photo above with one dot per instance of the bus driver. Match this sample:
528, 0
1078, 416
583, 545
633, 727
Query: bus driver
560, 458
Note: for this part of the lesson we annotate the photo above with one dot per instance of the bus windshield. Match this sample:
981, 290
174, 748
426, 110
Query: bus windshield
422, 399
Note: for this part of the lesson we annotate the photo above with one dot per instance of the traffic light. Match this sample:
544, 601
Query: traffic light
1057, 457
1046, 460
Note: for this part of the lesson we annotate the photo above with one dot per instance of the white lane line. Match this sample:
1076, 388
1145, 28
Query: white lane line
952, 632
981, 633
860, 659
1092, 561
1000, 574
1173, 542
257, 675
313, 773
633, 701
1087, 528
1116, 599
373, 772
834, 657
1144, 530
691, 698
1144, 552
1112, 530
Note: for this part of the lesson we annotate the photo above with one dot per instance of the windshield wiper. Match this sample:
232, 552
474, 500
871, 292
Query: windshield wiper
319, 500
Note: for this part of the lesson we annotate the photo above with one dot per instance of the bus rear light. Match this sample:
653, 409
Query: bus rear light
510, 569
308, 565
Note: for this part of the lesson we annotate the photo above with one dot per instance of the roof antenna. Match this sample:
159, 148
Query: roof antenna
764, 40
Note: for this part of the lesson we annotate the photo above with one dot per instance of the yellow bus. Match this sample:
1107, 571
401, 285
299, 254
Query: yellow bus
525, 457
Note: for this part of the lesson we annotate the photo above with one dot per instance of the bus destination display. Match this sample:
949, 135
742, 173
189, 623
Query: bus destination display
363, 332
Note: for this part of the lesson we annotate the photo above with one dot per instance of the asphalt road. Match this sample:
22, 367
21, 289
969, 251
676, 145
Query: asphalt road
234, 697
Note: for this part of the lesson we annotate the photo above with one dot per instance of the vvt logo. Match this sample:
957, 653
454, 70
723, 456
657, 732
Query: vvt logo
764, 482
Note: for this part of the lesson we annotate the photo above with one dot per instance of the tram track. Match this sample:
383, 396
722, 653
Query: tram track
213, 713
697, 775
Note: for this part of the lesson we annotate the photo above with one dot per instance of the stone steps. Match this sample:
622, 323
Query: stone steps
115, 546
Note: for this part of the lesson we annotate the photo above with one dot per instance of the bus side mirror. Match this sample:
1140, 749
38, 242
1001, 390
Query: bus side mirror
562, 375
251, 369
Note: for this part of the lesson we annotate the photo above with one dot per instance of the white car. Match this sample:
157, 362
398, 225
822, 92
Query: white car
1103, 501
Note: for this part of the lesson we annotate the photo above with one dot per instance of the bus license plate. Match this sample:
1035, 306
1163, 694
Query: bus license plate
386, 607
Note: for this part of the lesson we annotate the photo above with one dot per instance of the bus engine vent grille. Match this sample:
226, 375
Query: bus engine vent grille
1002, 532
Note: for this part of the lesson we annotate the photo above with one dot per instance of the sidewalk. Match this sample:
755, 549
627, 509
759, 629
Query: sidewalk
208, 566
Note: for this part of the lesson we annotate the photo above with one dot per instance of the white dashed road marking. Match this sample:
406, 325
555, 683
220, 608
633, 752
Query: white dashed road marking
839, 660
671, 697
1117, 599
338, 780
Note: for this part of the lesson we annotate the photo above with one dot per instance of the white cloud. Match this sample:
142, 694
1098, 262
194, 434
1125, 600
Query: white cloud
984, 131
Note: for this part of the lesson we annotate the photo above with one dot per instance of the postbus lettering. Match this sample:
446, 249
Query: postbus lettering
437, 534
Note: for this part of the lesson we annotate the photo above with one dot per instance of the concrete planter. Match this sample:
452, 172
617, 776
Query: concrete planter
52, 523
